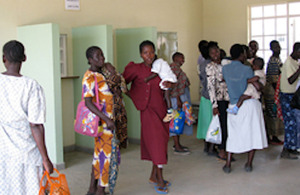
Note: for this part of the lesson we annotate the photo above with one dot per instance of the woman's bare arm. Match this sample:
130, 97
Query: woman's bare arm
294, 77
38, 133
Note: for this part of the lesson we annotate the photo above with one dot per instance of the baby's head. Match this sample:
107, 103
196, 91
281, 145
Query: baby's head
110, 68
14, 51
258, 64
178, 58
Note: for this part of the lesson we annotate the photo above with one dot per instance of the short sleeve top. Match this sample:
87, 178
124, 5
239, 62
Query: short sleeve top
22, 102
289, 67
104, 93
235, 75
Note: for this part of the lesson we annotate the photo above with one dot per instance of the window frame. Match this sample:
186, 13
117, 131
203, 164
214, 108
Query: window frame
263, 36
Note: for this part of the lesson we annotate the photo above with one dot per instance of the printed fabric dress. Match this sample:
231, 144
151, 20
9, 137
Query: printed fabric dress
273, 123
22, 102
103, 147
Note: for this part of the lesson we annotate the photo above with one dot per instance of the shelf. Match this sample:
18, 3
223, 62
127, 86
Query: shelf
70, 77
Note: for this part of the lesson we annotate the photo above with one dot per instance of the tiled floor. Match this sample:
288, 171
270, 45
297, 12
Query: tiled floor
196, 173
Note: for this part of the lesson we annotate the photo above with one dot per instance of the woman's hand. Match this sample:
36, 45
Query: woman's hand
48, 166
216, 111
110, 124
168, 84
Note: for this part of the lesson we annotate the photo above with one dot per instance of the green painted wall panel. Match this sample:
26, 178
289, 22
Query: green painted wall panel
43, 64
82, 38
127, 42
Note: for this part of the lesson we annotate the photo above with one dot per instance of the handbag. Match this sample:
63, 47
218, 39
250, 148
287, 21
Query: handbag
54, 185
187, 108
295, 103
87, 122
177, 124
214, 134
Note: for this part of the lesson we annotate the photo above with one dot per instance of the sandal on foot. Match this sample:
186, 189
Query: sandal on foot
167, 183
161, 190
222, 158
248, 168
183, 147
226, 169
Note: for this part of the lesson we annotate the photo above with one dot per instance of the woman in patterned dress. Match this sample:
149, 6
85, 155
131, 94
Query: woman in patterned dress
218, 94
103, 147
23, 153
274, 125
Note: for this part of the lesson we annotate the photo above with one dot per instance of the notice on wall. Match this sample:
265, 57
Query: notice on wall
72, 4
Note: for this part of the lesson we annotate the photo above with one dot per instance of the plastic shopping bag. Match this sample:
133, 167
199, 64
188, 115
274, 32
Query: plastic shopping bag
177, 124
187, 108
214, 134
54, 185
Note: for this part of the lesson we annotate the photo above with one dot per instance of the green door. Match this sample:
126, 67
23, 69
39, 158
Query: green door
41, 43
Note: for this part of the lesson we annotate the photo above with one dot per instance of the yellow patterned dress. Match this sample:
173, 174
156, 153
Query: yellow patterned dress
102, 150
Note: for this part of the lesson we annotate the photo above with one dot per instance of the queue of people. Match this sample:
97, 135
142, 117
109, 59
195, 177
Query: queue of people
259, 108
235, 88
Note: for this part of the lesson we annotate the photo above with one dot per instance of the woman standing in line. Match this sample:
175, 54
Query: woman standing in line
246, 130
274, 125
218, 94
23, 111
148, 99
108, 93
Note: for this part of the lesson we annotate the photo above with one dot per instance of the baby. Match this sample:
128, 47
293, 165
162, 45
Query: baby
163, 70
117, 86
251, 91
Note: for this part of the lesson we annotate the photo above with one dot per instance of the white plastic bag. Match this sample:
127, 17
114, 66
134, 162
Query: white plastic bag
214, 134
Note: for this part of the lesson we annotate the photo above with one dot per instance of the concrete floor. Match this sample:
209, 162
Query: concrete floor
196, 173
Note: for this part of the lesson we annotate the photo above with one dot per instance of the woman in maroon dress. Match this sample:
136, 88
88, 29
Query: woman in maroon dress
148, 99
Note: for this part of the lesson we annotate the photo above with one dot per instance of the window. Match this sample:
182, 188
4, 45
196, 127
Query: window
279, 22
166, 45
63, 54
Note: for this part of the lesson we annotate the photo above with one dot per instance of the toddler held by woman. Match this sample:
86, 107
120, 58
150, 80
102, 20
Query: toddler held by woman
253, 85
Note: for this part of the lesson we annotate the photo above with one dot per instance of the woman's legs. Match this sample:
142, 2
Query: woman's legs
290, 127
100, 167
222, 106
248, 165
93, 183
94, 188
157, 176
177, 144
100, 191
227, 166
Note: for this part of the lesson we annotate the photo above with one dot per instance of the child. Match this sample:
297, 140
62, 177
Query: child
163, 70
22, 114
251, 91
180, 94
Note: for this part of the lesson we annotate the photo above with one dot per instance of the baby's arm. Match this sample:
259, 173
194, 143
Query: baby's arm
255, 82
253, 79
152, 76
